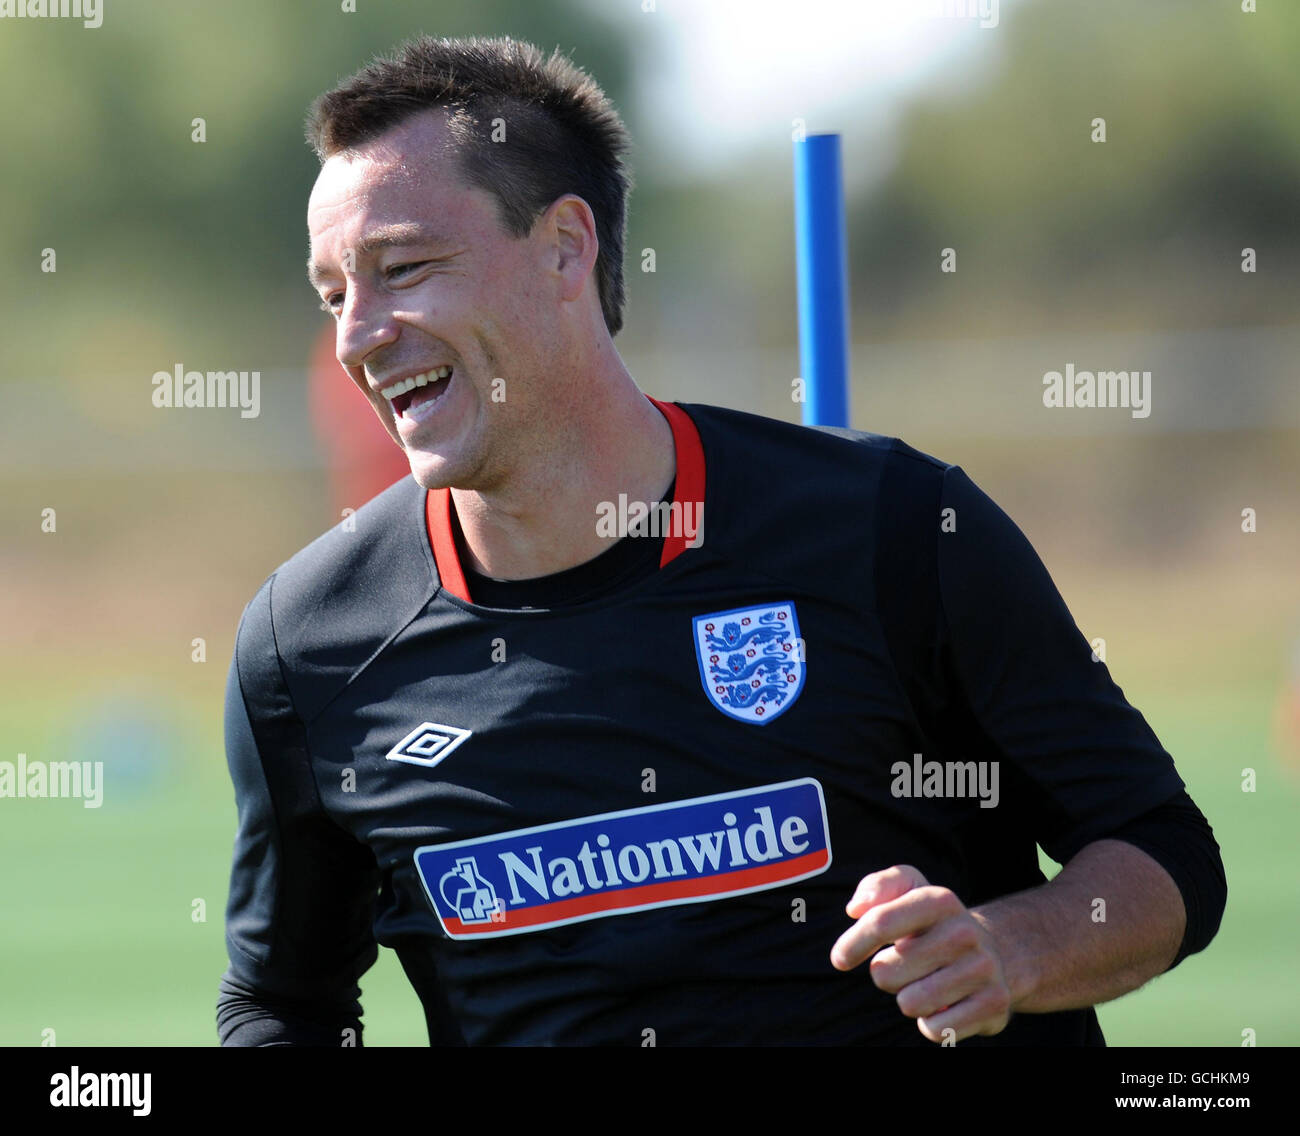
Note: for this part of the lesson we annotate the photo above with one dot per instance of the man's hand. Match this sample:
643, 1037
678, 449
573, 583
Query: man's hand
943, 963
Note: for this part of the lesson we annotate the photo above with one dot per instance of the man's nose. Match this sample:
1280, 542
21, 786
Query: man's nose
366, 323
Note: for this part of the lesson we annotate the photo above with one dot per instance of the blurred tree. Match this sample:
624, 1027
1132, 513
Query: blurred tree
171, 249
1202, 158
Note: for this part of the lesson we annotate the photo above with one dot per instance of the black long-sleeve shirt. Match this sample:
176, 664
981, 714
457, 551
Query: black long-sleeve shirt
429, 759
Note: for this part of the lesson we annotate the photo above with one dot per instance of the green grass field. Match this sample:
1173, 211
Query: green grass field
100, 942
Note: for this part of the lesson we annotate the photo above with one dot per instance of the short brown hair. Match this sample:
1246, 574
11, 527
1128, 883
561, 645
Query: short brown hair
563, 134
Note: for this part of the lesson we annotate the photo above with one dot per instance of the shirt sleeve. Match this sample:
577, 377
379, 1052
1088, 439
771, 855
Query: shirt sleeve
1179, 838
299, 920
1030, 683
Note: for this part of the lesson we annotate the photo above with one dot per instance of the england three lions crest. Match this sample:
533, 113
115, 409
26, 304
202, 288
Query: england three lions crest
751, 660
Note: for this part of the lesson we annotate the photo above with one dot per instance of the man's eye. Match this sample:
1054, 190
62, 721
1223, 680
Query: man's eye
332, 302
401, 269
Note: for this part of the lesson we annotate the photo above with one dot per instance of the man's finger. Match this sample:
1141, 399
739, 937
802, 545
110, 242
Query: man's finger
911, 914
915, 956
946, 987
883, 886
984, 1013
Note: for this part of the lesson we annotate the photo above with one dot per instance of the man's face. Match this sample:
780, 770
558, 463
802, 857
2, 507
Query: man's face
420, 275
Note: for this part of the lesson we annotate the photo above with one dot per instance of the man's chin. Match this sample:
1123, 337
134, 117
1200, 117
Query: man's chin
433, 472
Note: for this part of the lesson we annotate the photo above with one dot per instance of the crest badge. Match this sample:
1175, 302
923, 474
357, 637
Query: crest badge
751, 660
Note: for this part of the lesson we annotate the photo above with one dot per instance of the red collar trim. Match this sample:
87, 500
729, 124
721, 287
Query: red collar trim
690, 473
437, 519
689, 487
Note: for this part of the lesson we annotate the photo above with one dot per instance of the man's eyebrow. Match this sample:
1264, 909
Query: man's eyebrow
386, 236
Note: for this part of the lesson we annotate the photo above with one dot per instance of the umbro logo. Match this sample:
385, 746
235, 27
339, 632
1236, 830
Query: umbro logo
428, 744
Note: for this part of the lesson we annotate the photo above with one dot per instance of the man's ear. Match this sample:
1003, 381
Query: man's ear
573, 228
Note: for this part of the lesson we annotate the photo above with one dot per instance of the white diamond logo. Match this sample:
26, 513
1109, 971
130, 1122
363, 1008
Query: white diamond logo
428, 744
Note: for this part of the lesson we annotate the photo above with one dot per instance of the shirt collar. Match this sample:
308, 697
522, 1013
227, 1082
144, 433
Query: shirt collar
689, 488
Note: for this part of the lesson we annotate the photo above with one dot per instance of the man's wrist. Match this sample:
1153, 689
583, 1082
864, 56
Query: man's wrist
1021, 963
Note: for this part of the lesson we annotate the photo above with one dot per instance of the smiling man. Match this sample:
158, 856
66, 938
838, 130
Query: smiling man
642, 787
481, 350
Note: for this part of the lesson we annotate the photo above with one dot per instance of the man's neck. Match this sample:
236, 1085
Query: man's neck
548, 522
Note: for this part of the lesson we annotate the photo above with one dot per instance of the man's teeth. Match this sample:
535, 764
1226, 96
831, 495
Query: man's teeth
410, 384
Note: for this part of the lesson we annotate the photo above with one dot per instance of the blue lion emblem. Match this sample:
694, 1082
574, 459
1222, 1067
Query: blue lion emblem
751, 660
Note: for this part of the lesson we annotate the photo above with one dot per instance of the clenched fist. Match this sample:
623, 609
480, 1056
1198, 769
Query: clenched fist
930, 951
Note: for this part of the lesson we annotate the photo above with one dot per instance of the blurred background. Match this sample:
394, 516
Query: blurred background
971, 134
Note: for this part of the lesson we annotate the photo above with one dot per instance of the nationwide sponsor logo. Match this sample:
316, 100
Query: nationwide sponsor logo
751, 660
690, 851
428, 744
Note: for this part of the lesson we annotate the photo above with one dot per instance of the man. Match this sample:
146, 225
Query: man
606, 788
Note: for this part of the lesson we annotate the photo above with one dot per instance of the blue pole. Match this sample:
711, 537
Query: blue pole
822, 262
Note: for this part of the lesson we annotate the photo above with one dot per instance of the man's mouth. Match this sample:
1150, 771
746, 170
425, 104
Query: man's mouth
411, 394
